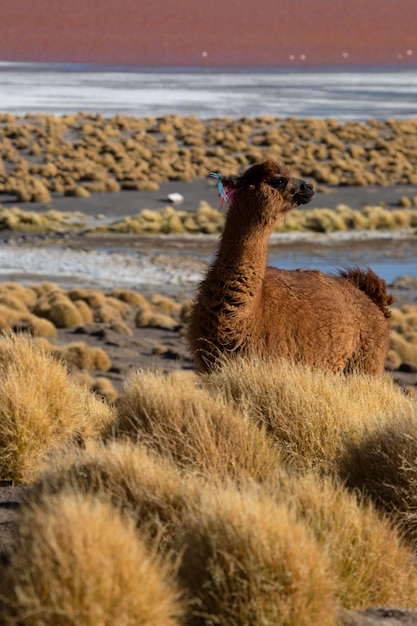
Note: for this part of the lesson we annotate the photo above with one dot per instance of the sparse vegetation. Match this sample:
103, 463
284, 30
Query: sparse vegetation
86, 153
210, 221
228, 488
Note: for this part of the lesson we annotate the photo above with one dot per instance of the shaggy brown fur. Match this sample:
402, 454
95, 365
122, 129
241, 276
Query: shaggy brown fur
333, 322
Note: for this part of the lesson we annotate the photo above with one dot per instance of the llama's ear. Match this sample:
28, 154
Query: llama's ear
230, 181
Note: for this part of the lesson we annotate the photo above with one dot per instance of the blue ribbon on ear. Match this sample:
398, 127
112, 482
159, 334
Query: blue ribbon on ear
222, 192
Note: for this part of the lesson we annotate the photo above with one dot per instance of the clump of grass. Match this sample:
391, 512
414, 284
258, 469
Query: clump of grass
247, 560
42, 408
147, 317
105, 388
193, 428
165, 304
382, 466
25, 295
403, 342
85, 311
130, 296
76, 560
82, 356
49, 221
369, 560
135, 480
107, 313
93, 297
344, 218
36, 326
58, 309
13, 302
406, 350
309, 413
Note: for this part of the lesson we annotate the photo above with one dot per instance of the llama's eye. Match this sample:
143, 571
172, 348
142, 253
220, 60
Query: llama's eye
278, 182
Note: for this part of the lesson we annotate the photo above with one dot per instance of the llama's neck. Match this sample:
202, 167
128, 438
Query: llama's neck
241, 262
244, 250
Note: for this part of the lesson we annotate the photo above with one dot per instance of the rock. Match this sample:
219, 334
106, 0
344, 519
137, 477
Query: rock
407, 368
405, 282
379, 616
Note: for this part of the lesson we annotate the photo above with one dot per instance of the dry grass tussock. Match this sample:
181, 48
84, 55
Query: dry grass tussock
247, 560
42, 408
49, 222
132, 478
193, 428
205, 219
311, 415
244, 557
382, 465
403, 337
289, 549
371, 563
77, 561
86, 153
224, 488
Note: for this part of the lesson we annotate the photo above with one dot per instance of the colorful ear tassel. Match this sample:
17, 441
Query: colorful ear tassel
223, 194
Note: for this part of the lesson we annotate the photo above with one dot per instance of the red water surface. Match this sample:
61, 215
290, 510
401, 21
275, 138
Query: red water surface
211, 33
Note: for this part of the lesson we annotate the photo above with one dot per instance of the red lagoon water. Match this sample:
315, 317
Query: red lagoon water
211, 32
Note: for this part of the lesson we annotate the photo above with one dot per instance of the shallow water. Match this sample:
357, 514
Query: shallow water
182, 266
389, 257
349, 94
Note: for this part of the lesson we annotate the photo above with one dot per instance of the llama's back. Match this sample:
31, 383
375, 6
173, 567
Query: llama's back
334, 322
372, 285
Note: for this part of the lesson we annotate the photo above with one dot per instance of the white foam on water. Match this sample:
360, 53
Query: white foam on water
99, 269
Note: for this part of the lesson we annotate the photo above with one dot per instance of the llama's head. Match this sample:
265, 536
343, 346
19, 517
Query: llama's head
268, 189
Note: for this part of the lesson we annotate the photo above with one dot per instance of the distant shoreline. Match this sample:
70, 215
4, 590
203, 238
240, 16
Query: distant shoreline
69, 66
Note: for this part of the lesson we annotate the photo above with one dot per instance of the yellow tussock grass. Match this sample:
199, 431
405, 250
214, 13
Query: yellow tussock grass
13, 302
309, 413
77, 561
382, 465
407, 351
37, 326
369, 560
185, 423
58, 309
165, 304
106, 313
85, 311
129, 296
82, 356
248, 560
42, 408
22, 293
129, 476
146, 318
105, 388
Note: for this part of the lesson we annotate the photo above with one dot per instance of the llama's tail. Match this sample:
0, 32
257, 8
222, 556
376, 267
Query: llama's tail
374, 287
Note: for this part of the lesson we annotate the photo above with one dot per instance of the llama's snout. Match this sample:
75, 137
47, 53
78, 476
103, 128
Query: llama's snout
303, 191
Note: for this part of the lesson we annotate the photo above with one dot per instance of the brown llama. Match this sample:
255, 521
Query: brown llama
337, 323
